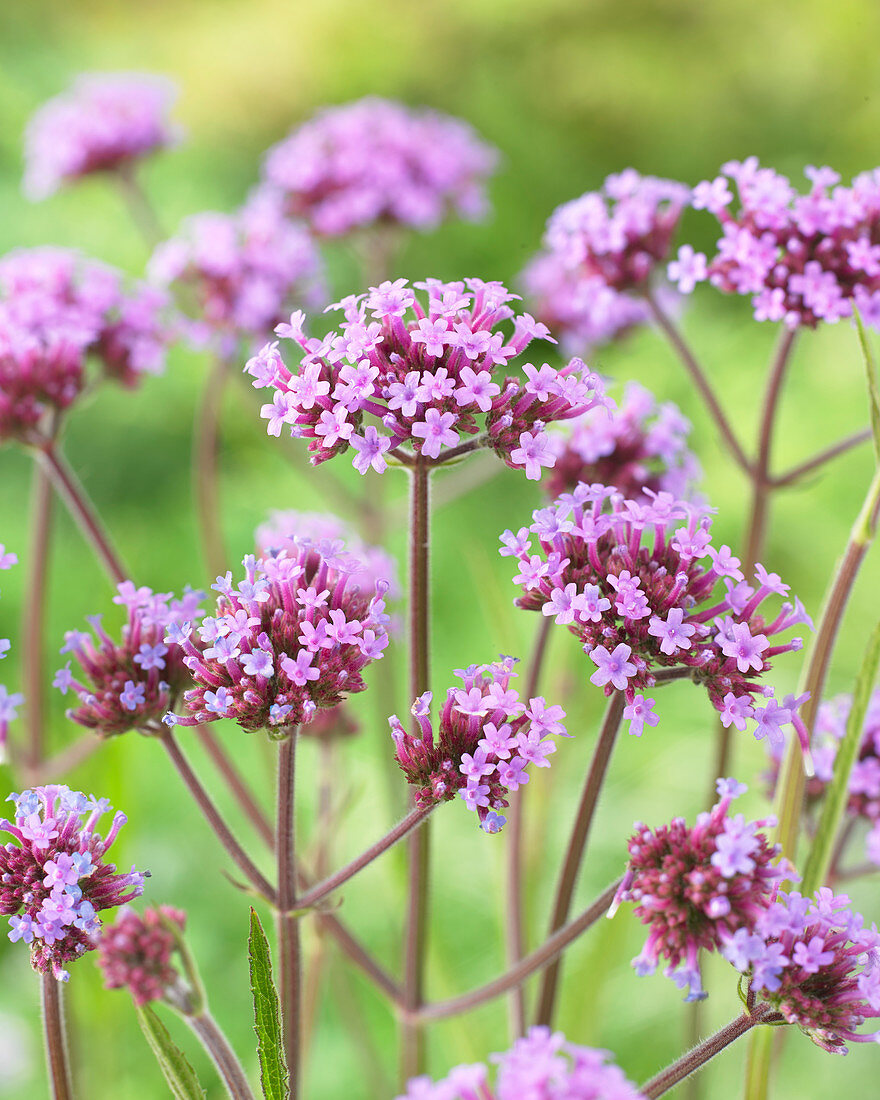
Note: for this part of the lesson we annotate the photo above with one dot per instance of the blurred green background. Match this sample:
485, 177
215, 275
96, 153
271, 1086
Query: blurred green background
569, 90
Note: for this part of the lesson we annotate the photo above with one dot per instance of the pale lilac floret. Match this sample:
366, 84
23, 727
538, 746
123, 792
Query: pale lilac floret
639, 713
613, 668
688, 269
674, 634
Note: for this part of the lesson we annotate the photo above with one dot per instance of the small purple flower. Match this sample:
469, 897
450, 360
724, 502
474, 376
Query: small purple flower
613, 668
136, 951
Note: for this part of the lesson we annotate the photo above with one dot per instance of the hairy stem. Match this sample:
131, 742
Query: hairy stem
542, 956
212, 815
33, 623
577, 846
54, 1035
288, 922
700, 1055
514, 929
222, 1055
418, 847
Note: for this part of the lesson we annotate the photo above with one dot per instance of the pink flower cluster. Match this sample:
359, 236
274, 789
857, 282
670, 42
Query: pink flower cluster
621, 233
541, 1065
291, 638
696, 887
135, 952
247, 270
641, 446
484, 744
802, 258
426, 374
54, 880
104, 122
864, 781
376, 162
815, 963
57, 308
10, 701
130, 684
630, 579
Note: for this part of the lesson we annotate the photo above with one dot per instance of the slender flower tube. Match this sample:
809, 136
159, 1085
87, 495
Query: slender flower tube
426, 373
485, 742
375, 162
104, 122
696, 887
54, 880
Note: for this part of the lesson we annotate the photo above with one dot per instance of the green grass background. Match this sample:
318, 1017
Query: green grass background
569, 90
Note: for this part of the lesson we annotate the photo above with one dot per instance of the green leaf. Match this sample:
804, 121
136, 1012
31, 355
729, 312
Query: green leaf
179, 1074
837, 794
267, 1019
873, 386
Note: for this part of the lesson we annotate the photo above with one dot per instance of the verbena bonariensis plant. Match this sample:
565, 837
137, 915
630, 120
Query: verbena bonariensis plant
420, 377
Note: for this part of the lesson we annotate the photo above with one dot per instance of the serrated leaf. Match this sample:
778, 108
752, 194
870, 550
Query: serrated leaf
873, 385
179, 1074
837, 793
267, 1017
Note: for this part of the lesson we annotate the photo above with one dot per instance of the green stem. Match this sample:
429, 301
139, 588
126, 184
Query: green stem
288, 920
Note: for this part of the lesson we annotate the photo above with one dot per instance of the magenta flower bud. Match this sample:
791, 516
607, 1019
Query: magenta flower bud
643, 588
135, 952
427, 373
54, 879
696, 887
290, 639
640, 446
815, 963
103, 123
484, 743
803, 259
130, 683
378, 163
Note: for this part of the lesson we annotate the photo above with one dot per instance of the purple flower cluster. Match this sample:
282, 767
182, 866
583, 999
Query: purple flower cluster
104, 122
696, 887
815, 963
247, 270
291, 638
802, 258
621, 233
289, 530
864, 782
584, 311
640, 610
54, 880
641, 446
539, 1066
376, 162
130, 684
135, 952
485, 742
9, 700
57, 308
426, 374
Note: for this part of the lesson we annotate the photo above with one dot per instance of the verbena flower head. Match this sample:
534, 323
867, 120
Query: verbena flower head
426, 373
581, 309
621, 233
291, 531
640, 446
129, 683
641, 586
864, 782
802, 258
540, 1066
247, 270
815, 963
136, 951
376, 162
54, 877
291, 638
485, 741
59, 310
10, 701
103, 122
696, 887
